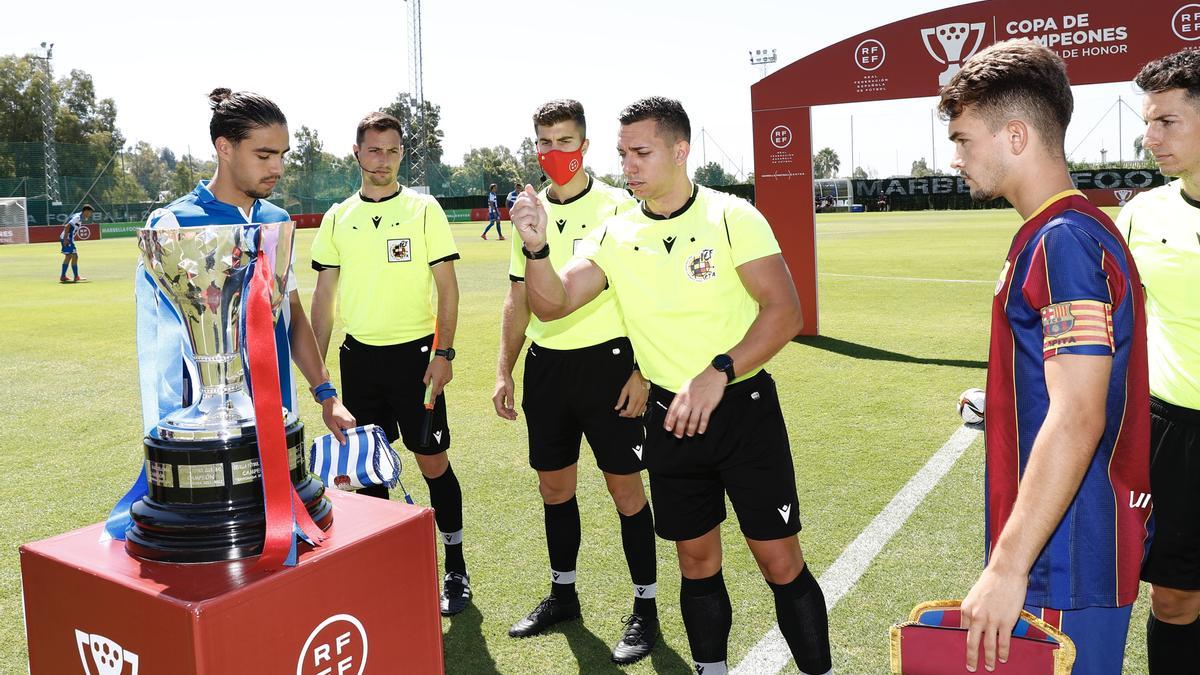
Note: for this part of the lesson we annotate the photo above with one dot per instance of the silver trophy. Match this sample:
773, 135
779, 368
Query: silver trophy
202, 270
205, 496
953, 37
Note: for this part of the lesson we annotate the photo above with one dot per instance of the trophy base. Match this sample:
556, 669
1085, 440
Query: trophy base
205, 501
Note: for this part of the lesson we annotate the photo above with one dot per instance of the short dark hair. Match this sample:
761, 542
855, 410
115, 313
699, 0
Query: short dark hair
491, 187
86, 207
672, 119
236, 114
378, 121
561, 110
1014, 76
1180, 70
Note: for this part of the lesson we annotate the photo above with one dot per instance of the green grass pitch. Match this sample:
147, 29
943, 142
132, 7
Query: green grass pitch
867, 404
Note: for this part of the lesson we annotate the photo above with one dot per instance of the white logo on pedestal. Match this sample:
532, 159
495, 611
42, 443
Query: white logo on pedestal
953, 37
869, 54
338, 646
1122, 196
1186, 22
108, 657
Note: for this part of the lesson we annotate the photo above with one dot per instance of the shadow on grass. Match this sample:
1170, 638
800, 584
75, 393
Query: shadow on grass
857, 351
465, 647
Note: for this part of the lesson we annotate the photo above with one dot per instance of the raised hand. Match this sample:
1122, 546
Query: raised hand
529, 219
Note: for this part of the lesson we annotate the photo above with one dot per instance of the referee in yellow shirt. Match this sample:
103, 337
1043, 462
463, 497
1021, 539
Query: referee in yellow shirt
380, 253
707, 300
581, 379
1162, 227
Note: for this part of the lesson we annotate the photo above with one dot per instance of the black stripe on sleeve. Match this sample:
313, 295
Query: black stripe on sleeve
321, 267
452, 256
725, 219
516, 279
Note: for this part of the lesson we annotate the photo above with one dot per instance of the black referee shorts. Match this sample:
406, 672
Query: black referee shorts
382, 385
744, 453
570, 393
1174, 558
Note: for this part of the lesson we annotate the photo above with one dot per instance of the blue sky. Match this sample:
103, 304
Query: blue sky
490, 64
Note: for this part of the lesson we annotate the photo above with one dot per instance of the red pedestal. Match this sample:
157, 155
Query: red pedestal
367, 595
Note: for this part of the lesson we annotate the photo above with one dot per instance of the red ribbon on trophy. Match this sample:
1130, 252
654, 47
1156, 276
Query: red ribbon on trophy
284, 510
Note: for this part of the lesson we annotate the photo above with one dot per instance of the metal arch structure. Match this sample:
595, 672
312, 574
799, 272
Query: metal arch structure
417, 153
1100, 41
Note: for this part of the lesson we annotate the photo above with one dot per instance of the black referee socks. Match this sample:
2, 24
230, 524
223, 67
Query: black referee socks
445, 496
637, 538
800, 610
1171, 647
707, 617
562, 542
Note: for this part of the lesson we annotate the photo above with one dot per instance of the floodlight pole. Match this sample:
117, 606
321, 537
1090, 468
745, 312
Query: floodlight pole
49, 148
762, 57
417, 151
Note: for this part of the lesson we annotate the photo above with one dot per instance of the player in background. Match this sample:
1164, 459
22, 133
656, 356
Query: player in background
67, 239
493, 207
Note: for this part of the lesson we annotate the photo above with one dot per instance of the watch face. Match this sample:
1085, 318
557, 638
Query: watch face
722, 362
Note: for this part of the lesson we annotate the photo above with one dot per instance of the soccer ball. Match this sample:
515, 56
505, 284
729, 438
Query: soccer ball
970, 406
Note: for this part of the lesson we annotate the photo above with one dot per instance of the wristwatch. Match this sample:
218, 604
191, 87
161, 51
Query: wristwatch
447, 353
542, 253
724, 363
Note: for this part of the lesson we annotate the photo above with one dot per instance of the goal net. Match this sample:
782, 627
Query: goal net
14, 221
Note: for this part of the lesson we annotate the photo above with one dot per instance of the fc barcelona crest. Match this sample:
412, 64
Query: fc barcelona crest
700, 267
1057, 319
399, 250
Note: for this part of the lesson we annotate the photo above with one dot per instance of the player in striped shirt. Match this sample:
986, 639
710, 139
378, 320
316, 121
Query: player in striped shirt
1067, 439
67, 239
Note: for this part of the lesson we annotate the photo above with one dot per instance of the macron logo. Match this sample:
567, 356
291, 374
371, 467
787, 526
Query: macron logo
641, 590
637, 450
555, 575
449, 537
437, 435
785, 511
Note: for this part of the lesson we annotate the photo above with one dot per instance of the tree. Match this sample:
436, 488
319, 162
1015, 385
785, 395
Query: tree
713, 174
826, 163
614, 179
920, 169
527, 162
402, 109
482, 167
859, 172
1140, 152
144, 165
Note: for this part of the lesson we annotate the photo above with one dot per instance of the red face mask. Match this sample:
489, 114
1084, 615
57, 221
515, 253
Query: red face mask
561, 166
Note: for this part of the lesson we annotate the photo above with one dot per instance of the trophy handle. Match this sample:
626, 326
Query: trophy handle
982, 28
926, 33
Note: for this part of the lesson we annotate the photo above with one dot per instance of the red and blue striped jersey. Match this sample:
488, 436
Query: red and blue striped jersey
1069, 286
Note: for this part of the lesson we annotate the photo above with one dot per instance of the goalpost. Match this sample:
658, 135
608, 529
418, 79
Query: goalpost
14, 221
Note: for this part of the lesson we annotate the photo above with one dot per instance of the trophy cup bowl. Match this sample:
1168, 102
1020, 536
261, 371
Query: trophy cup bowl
205, 498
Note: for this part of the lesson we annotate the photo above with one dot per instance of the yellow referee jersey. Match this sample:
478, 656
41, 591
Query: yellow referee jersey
569, 222
385, 251
675, 278
1162, 227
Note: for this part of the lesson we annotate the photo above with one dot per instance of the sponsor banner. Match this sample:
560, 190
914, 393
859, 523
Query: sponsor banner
1100, 42
482, 214
1105, 184
458, 215
114, 230
1117, 197
42, 234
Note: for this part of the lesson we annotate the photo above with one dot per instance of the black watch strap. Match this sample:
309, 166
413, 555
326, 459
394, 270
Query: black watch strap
543, 253
447, 353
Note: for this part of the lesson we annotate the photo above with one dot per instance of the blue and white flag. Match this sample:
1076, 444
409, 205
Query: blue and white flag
365, 459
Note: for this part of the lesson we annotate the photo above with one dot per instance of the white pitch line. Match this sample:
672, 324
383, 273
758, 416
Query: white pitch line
941, 281
771, 653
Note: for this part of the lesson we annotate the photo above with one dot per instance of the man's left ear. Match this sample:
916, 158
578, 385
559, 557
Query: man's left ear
1018, 139
583, 147
682, 149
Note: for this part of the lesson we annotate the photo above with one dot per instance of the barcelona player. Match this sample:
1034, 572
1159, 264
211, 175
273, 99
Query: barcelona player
1067, 468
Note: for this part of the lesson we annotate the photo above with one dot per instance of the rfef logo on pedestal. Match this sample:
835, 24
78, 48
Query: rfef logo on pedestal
1186, 22
101, 656
869, 54
781, 137
338, 646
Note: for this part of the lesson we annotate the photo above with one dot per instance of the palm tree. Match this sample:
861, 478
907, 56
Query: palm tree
826, 163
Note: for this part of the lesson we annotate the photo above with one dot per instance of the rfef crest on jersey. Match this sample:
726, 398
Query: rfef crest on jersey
700, 266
